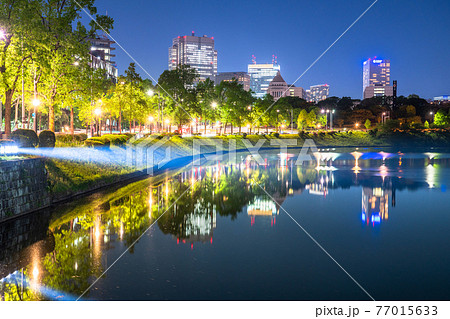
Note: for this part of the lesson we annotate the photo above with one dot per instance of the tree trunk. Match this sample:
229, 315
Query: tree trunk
110, 125
231, 129
51, 118
72, 130
134, 126
205, 127
140, 127
120, 120
240, 129
8, 98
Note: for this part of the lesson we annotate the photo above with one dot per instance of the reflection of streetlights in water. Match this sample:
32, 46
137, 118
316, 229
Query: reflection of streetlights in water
356, 155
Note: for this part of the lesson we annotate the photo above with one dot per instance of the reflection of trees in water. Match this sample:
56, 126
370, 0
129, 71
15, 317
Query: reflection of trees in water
82, 238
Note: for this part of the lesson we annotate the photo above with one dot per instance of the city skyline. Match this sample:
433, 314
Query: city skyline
341, 67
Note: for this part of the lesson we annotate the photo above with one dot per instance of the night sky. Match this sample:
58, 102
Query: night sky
413, 34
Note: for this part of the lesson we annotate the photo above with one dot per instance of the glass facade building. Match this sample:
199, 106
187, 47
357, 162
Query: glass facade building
376, 74
197, 52
260, 77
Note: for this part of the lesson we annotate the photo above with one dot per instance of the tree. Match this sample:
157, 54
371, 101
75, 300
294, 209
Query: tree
302, 119
17, 41
60, 44
179, 85
311, 119
426, 124
410, 111
367, 124
235, 103
205, 97
441, 118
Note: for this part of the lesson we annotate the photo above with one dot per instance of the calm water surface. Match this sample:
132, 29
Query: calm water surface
219, 233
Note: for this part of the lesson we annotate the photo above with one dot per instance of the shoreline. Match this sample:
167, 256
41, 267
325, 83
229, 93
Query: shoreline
181, 161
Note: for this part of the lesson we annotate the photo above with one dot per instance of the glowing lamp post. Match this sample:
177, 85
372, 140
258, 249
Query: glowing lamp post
150, 120
98, 113
167, 121
35, 103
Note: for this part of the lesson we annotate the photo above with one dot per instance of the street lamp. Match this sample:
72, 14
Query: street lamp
98, 113
150, 120
35, 103
150, 92
167, 122
214, 105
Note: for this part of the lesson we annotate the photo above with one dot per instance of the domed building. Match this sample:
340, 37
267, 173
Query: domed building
279, 88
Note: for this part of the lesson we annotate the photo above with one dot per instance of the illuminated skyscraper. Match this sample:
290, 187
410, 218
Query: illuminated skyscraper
197, 52
377, 78
260, 77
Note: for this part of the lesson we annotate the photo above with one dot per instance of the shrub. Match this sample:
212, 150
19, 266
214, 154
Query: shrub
25, 138
373, 132
391, 125
97, 142
275, 134
244, 135
47, 139
80, 137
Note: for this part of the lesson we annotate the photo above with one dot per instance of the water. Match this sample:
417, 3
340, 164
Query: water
218, 233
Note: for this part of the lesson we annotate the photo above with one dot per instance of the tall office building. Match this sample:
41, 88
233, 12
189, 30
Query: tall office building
197, 52
260, 77
377, 78
241, 77
100, 54
318, 92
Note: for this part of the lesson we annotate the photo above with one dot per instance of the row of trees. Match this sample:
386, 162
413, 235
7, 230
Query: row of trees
44, 57
179, 99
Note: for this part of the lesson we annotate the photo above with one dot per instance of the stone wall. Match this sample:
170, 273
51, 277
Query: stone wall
23, 187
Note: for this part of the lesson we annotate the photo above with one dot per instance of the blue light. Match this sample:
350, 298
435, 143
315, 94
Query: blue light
363, 217
375, 218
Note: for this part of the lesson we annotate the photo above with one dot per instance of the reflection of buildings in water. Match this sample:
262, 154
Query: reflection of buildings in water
321, 187
317, 189
261, 206
375, 204
199, 226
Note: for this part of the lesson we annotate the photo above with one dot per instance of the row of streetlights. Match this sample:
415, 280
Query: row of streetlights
326, 112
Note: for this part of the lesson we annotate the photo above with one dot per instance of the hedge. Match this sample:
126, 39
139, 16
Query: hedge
25, 138
47, 139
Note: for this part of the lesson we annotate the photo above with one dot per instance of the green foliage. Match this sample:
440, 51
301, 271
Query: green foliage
25, 138
367, 124
426, 124
69, 177
107, 140
391, 125
441, 119
67, 140
302, 119
47, 139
